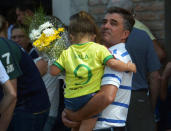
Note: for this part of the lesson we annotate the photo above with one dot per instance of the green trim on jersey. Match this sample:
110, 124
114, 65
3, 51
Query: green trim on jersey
59, 66
81, 44
107, 58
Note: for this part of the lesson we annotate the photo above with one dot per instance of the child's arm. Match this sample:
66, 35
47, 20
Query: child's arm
121, 66
54, 70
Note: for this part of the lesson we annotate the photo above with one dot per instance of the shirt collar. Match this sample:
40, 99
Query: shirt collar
119, 45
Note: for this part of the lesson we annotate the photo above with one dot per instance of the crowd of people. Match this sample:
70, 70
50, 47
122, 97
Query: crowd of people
114, 79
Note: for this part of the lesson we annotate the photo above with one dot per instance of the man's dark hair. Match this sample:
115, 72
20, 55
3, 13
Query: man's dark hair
28, 4
3, 23
127, 17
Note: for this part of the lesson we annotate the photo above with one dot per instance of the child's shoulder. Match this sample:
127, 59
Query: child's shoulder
99, 45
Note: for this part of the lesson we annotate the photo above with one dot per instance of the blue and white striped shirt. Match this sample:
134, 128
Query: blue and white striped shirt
115, 114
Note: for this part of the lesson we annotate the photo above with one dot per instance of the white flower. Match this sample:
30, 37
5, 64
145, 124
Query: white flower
45, 26
35, 34
49, 32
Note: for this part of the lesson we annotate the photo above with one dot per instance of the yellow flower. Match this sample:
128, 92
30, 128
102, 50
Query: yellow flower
45, 41
61, 29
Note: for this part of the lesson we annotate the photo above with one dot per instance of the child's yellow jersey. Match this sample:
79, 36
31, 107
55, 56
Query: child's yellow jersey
83, 65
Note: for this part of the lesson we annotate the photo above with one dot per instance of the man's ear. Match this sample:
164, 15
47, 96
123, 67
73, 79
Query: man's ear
71, 37
125, 34
93, 37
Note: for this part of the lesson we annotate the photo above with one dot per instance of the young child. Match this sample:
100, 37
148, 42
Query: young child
83, 63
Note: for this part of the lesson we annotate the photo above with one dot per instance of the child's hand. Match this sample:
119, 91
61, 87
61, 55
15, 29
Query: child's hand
131, 67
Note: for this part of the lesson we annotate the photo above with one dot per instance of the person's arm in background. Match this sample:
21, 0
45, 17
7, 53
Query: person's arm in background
153, 66
157, 46
8, 90
159, 50
7, 115
42, 65
164, 81
9, 96
154, 87
100, 101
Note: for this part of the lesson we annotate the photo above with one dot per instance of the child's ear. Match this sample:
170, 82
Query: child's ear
93, 37
71, 37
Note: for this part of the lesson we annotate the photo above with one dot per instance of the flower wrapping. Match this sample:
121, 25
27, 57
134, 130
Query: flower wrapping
49, 36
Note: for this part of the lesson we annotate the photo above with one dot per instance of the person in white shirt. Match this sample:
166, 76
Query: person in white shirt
114, 96
8, 98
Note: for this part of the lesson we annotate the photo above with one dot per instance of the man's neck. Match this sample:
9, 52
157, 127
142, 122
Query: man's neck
112, 44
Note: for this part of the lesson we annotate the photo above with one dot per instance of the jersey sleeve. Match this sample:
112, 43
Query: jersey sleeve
105, 55
3, 75
60, 62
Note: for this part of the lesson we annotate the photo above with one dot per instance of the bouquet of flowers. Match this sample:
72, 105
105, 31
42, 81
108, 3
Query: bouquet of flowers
49, 36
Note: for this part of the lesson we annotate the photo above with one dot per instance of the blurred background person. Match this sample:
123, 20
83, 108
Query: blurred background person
25, 10
12, 17
33, 104
19, 35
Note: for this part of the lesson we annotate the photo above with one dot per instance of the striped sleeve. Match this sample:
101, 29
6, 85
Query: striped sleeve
111, 77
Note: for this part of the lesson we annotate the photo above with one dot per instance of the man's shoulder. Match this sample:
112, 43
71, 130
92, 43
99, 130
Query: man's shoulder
9, 45
120, 53
138, 38
138, 32
141, 26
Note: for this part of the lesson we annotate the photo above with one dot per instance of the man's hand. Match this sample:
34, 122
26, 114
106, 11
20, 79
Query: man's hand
73, 116
67, 122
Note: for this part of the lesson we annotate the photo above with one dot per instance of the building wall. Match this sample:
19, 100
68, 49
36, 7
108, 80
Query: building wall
63, 9
150, 12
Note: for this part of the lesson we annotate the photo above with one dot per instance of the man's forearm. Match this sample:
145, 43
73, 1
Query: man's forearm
164, 81
154, 87
6, 117
163, 90
160, 52
9, 96
99, 102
